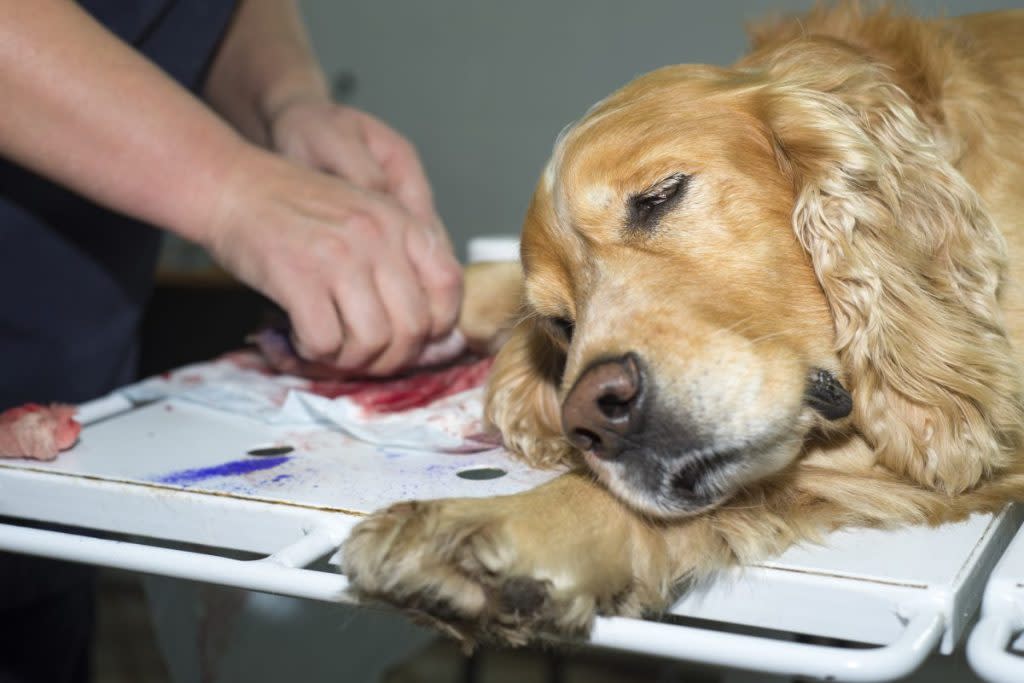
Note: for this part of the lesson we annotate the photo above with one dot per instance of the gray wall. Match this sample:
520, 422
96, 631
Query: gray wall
482, 88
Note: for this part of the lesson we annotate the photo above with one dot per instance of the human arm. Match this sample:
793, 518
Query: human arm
87, 111
266, 80
264, 63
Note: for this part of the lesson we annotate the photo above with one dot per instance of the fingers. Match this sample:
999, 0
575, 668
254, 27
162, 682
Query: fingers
429, 248
328, 138
356, 146
419, 310
364, 308
350, 158
367, 325
441, 278
317, 332
404, 175
386, 318
408, 311
407, 289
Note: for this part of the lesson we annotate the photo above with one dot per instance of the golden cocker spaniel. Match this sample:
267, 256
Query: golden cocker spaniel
760, 303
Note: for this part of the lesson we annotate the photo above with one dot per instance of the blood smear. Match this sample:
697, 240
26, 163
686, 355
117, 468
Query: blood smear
415, 390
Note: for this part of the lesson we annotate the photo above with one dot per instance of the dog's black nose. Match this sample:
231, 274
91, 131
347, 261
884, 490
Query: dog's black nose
605, 405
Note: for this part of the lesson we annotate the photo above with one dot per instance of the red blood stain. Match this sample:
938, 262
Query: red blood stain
414, 390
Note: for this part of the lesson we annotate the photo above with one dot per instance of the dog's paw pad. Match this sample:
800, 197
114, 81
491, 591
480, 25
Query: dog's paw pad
523, 595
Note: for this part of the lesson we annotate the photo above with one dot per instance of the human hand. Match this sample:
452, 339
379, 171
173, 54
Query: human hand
366, 284
316, 132
356, 146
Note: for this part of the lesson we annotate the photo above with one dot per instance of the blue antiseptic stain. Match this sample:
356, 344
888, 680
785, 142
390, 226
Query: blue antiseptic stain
228, 469
280, 478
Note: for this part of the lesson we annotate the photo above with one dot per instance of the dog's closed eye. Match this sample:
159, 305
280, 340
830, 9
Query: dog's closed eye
647, 208
560, 329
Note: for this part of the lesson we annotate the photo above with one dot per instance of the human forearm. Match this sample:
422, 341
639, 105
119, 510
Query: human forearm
264, 63
85, 110
366, 277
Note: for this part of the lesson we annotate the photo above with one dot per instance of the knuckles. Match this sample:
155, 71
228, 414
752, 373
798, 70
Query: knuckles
316, 346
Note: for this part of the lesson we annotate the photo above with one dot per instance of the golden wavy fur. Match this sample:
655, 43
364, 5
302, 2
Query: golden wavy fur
842, 206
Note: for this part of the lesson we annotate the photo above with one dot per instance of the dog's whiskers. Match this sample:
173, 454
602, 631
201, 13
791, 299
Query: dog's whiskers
732, 327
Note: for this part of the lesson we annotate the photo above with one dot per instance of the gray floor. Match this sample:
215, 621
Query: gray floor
126, 649
126, 652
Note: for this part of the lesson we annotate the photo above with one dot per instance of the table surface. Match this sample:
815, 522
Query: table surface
853, 587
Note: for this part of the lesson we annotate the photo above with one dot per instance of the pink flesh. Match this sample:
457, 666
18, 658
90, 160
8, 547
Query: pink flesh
36, 431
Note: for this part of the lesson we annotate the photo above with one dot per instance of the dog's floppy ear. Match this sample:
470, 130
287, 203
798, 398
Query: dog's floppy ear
522, 397
910, 262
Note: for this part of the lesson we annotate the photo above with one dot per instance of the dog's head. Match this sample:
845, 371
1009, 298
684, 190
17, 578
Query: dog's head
723, 264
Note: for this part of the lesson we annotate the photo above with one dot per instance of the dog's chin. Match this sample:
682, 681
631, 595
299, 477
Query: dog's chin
688, 485
658, 493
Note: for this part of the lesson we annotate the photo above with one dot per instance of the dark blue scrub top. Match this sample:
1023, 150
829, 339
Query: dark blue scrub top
74, 277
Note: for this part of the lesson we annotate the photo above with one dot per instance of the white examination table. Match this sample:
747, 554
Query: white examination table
168, 488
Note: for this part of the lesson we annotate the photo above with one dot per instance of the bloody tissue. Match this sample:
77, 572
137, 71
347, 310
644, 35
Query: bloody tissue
37, 431
411, 391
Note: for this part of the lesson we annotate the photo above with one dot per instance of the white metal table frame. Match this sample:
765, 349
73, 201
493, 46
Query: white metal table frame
296, 537
283, 572
1001, 620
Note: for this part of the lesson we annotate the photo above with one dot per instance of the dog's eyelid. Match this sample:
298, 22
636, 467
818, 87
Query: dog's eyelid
665, 188
562, 327
646, 207
566, 326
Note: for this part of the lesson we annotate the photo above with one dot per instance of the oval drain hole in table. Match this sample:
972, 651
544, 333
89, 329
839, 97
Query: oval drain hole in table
271, 450
481, 473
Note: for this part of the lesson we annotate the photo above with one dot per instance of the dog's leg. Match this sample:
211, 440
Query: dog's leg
491, 300
513, 567
546, 561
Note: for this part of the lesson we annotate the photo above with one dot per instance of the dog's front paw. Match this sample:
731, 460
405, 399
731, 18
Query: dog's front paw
479, 571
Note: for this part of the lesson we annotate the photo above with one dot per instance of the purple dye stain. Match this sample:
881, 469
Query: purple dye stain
228, 469
279, 478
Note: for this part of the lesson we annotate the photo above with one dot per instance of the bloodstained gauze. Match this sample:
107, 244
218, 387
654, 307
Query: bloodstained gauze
414, 390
